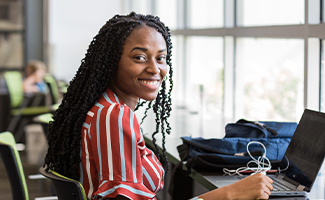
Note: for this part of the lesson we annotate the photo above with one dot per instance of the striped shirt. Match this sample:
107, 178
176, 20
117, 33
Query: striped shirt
114, 158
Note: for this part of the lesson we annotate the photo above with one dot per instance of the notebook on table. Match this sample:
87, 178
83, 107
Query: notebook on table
302, 160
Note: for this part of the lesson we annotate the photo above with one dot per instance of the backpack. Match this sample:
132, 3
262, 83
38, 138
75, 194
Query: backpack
231, 151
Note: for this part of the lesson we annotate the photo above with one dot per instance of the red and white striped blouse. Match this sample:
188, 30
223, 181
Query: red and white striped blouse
114, 158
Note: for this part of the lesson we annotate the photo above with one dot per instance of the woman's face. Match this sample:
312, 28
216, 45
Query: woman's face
142, 66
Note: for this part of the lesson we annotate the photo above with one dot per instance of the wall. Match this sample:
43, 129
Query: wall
72, 26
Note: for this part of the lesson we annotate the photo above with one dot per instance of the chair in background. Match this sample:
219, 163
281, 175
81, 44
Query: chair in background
14, 168
65, 188
53, 87
22, 107
44, 120
63, 86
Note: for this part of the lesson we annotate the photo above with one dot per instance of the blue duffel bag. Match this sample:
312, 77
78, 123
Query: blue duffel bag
231, 151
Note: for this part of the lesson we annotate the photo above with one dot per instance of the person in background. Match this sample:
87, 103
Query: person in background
34, 81
95, 136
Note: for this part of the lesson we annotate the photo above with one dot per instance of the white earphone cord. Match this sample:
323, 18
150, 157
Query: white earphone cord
261, 165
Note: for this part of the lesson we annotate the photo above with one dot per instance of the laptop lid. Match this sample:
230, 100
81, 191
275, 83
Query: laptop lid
305, 153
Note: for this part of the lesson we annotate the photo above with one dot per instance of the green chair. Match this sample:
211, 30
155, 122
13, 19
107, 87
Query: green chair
14, 83
53, 87
21, 114
65, 188
14, 168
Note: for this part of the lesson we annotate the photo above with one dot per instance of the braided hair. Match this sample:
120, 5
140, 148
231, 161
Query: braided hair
93, 77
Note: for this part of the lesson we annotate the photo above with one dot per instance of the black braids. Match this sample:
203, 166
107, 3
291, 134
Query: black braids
93, 77
163, 120
169, 102
157, 110
75, 154
140, 104
145, 114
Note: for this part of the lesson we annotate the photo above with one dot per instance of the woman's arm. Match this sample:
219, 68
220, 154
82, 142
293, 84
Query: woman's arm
257, 186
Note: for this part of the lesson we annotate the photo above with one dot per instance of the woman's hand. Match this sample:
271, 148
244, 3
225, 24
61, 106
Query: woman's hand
257, 186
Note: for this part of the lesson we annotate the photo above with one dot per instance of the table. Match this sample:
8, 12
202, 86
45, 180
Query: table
207, 180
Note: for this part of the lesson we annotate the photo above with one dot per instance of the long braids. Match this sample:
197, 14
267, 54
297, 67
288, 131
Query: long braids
93, 77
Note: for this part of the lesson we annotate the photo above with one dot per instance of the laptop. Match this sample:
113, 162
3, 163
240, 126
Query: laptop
302, 160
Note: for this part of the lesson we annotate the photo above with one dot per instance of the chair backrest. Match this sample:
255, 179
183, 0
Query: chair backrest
65, 188
14, 81
53, 87
14, 168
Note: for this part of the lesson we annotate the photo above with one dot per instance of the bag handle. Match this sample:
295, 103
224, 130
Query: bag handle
261, 125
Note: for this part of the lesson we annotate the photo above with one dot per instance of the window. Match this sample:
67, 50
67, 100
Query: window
167, 12
322, 103
204, 82
269, 79
265, 13
205, 73
205, 14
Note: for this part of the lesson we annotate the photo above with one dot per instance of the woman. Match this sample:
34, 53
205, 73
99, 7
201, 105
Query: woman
95, 136
34, 81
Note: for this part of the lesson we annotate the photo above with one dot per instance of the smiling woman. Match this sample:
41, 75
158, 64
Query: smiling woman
126, 61
95, 136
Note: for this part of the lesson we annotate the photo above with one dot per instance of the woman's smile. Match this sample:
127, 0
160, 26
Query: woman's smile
149, 82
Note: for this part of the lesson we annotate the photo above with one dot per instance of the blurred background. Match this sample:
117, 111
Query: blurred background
260, 60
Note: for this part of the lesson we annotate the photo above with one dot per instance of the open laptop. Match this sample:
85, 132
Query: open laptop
302, 160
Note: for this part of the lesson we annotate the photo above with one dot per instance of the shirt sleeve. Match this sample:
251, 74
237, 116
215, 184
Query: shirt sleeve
116, 153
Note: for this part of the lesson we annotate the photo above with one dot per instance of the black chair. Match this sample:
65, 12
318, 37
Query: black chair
14, 168
65, 188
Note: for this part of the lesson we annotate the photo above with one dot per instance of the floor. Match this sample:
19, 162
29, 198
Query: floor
32, 158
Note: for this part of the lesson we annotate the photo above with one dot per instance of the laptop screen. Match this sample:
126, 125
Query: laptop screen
305, 153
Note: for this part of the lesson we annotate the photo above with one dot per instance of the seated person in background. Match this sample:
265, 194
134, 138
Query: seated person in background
34, 81
95, 136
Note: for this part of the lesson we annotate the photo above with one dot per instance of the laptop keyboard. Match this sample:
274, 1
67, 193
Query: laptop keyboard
281, 185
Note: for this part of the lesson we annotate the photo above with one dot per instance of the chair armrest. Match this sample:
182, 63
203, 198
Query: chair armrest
47, 198
36, 177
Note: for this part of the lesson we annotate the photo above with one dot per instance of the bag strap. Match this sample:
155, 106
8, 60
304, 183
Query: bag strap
261, 125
